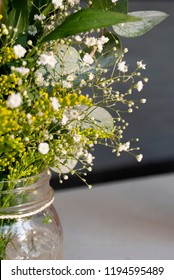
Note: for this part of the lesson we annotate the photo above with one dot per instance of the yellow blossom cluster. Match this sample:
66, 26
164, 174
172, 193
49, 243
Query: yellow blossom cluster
71, 98
8, 83
6, 55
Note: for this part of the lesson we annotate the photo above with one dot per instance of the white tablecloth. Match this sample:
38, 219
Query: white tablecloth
131, 219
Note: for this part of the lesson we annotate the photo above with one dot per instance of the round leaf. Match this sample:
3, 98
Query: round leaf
68, 59
68, 62
138, 28
98, 117
65, 166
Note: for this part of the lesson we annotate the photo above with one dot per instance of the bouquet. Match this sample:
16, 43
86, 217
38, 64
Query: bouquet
60, 61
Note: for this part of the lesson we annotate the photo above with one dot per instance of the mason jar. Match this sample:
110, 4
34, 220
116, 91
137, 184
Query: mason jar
30, 228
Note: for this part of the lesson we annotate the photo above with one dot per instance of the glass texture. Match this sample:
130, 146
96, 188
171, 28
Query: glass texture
30, 228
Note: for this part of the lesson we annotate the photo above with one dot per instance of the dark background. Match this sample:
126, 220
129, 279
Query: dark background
153, 123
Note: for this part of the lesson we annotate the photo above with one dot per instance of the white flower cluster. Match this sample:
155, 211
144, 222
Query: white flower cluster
43, 148
122, 66
46, 59
57, 4
14, 100
19, 51
97, 42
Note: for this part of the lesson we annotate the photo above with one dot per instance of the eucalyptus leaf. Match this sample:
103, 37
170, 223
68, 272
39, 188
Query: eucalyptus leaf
87, 20
65, 166
68, 60
68, 63
97, 117
138, 28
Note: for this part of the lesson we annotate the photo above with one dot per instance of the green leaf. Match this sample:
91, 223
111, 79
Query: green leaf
121, 6
4, 10
17, 12
87, 20
133, 29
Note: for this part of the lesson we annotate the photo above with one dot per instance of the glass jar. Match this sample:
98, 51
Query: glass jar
30, 228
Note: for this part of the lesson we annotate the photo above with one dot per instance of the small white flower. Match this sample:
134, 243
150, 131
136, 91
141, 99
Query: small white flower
143, 100
122, 67
43, 148
39, 17
77, 138
91, 76
46, 59
55, 103
57, 3
24, 63
22, 70
114, 1
25, 93
100, 42
139, 86
5, 31
14, 100
89, 158
66, 84
64, 119
87, 59
19, 51
29, 116
141, 65
29, 42
78, 38
124, 147
70, 78
90, 41
39, 78
82, 83
80, 152
32, 30
104, 39
139, 157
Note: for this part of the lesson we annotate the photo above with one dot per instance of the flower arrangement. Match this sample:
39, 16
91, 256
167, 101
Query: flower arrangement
59, 63
61, 67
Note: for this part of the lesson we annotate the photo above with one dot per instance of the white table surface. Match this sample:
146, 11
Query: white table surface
131, 219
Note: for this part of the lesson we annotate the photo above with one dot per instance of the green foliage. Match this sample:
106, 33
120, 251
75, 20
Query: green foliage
87, 20
16, 14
